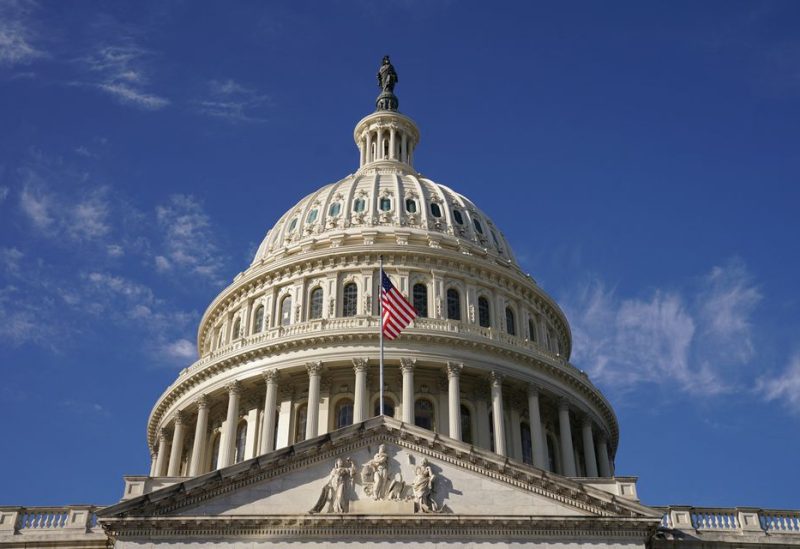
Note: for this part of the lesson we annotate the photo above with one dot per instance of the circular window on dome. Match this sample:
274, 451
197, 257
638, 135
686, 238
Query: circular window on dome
386, 204
478, 226
335, 209
312, 216
436, 211
293, 225
411, 205
457, 216
359, 205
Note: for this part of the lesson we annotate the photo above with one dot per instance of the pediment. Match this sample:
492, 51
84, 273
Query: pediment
415, 472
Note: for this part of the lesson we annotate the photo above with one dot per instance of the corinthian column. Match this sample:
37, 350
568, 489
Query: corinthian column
498, 419
602, 452
407, 367
161, 458
312, 417
567, 453
360, 405
537, 436
270, 405
454, 398
588, 448
228, 446
200, 430
174, 468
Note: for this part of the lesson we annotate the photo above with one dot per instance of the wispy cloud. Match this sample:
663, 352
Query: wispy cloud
181, 349
17, 36
695, 340
231, 101
122, 72
188, 241
783, 387
4, 193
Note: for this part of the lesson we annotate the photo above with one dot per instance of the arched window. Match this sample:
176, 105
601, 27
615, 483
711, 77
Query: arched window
436, 210
237, 329
531, 329
511, 326
312, 216
300, 423
258, 320
335, 208
411, 205
241, 438
453, 304
385, 204
350, 299
527, 449
420, 294
478, 226
458, 218
359, 205
388, 407
466, 425
315, 308
343, 413
292, 225
484, 316
286, 311
215, 453
423, 414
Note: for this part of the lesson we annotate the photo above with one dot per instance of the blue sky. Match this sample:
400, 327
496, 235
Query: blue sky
641, 157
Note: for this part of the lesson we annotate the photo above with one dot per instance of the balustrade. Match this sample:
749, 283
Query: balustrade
75, 518
734, 520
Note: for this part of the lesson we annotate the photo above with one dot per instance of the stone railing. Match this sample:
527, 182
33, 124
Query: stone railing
69, 519
738, 519
333, 325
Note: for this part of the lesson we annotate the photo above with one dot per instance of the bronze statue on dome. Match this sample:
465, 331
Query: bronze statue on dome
387, 76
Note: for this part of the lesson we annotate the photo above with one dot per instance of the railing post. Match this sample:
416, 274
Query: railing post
748, 519
9, 520
680, 518
79, 518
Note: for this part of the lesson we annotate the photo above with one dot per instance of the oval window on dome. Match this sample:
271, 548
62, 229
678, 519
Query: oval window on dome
293, 225
312, 216
411, 205
386, 204
436, 211
359, 205
457, 216
335, 209
478, 226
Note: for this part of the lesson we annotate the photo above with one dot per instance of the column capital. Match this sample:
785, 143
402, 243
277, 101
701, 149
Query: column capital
454, 369
496, 378
270, 376
179, 417
407, 364
533, 390
203, 402
162, 435
563, 404
360, 364
314, 368
587, 420
234, 388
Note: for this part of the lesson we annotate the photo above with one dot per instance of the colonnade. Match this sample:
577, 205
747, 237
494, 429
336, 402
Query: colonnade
594, 443
386, 143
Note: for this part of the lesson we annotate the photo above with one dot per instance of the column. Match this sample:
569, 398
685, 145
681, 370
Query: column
368, 156
312, 417
392, 144
362, 151
407, 367
200, 433
588, 448
454, 398
270, 405
227, 448
498, 419
360, 405
567, 453
602, 453
174, 468
537, 435
153, 458
404, 147
161, 458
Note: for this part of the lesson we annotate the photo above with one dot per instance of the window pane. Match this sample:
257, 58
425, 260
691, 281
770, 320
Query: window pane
527, 451
312, 216
483, 312
343, 415
511, 326
258, 323
421, 299
411, 206
350, 300
292, 224
466, 425
335, 208
359, 205
436, 211
286, 311
388, 407
457, 217
316, 304
300, 423
478, 226
386, 204
237, 328
453, 305
423, 414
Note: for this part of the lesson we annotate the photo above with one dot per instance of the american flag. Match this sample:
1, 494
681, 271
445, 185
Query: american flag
397, 311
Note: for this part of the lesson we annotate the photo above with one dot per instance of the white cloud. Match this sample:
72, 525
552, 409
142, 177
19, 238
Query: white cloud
3, 193
232, 101
697, 343
121, 71
784, 387
88, 219
36, 204
11, 258
162, 264
181, 349
115, 250
17, 37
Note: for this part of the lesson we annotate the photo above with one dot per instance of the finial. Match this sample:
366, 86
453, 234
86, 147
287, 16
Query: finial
387, 78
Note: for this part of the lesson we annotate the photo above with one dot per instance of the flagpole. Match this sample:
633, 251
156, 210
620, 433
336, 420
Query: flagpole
380, 331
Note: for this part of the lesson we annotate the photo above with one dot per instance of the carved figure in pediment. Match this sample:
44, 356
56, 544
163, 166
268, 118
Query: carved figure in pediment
376, 473
335, 494
423, 488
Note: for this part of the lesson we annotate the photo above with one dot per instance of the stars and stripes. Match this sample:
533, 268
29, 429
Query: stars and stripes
397, 311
